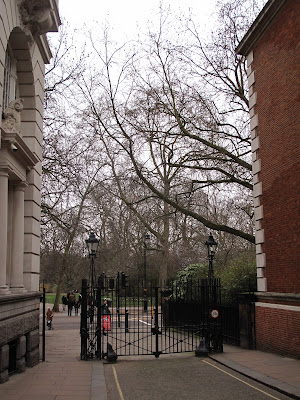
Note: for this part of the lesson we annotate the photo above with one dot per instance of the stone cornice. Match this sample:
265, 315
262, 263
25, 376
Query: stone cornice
291, 298
56, 22
259, 26
44, 48
39, 16
22, 153
12, 298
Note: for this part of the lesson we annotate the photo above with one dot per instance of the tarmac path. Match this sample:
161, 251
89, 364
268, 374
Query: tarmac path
180, 377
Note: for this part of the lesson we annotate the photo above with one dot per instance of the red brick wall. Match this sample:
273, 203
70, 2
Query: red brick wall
273, 331
277, 83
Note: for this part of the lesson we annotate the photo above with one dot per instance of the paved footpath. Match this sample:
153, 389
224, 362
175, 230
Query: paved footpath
280, 373
63, 376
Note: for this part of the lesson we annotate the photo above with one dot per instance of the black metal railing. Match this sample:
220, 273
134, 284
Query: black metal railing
230, 324
122, 317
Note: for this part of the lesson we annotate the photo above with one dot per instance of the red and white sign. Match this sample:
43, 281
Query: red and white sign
105, 323
214, 313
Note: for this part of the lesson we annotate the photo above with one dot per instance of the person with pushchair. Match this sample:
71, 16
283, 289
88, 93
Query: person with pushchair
49, 317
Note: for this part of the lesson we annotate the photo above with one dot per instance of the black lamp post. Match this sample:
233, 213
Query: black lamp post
146, 239
90, 335
211, 250
92, 244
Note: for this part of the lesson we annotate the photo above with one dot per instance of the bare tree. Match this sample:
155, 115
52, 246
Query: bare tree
164, 124
161, 93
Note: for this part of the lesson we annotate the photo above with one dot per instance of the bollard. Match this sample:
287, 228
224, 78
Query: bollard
111, 354
201, 350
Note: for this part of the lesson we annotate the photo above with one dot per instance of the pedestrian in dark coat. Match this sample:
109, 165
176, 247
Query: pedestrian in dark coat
64, 301
71, 301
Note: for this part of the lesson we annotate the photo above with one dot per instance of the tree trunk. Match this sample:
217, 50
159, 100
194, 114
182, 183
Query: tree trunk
166, 233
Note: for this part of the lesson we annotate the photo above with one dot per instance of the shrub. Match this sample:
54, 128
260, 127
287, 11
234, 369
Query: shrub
239, 276
192, 272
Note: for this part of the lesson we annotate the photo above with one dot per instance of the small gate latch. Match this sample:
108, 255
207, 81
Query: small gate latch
155, 330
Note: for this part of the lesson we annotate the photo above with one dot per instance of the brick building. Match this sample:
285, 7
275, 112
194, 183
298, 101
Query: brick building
24, 51
272, 48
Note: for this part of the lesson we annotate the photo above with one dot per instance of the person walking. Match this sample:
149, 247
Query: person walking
71, 301
104, 308
76, 306
64, 301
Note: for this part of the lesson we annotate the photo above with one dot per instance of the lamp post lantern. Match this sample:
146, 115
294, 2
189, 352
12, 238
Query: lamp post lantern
146, 239
92, 244
211, 250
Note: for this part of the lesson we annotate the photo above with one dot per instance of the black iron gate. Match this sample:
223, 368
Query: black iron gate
122, 317
89, 326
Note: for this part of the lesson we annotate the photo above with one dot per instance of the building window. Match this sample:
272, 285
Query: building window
10, 86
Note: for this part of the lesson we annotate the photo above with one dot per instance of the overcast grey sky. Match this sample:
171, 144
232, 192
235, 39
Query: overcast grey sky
124, 16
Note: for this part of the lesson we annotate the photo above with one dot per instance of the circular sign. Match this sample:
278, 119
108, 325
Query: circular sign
214, 313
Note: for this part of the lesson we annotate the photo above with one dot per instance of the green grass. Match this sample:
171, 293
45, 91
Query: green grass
131, 302
50, 298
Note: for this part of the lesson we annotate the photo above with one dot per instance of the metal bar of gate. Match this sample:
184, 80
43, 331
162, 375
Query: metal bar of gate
83, 322
98, 327
156, 327
44, 322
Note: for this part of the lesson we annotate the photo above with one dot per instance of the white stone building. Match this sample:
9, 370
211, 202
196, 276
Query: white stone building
24, 51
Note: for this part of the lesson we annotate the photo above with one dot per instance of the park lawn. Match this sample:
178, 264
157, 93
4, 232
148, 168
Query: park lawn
50, 298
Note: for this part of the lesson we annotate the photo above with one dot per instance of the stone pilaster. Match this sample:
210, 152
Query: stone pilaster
257, 184
16, 281
32, 353
21, 352
3, 230
4, 362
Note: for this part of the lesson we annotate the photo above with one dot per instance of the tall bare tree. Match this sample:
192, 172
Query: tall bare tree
194, 95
